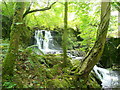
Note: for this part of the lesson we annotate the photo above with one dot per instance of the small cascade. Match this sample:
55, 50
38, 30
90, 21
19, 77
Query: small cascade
109, 79
45, 42
42, 37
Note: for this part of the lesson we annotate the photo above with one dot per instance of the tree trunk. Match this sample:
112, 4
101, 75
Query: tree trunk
94, 55
65, 33
16, 28
118, 24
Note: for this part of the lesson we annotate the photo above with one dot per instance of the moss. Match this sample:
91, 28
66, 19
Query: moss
52, 60
54, 71
75, 63
92, 82
56, 76
58, 83
51, 73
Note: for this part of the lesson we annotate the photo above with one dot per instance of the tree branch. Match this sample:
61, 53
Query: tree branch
43, 9
28, 9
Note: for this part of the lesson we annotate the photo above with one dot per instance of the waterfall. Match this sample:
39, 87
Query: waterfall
109, 78
45, 42
42, 37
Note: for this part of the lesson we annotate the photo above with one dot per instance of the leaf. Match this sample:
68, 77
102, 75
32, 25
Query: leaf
18, 23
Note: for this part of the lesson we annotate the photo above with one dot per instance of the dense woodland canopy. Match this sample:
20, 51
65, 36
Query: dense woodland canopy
90, 29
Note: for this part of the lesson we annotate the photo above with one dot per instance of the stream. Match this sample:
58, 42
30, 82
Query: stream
47, 44
109, 78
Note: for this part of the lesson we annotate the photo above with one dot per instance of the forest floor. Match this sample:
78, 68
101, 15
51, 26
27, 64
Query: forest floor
45, 71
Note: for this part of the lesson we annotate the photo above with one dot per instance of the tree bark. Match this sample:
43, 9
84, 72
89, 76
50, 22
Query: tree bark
65, 34
118, 24
94, 55
16, 28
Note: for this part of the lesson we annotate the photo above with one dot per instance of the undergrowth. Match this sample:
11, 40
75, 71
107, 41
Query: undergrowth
34, 70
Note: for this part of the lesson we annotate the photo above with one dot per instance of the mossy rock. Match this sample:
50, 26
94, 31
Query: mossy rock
54, 59
58, 83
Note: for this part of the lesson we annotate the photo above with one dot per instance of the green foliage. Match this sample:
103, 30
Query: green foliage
4, 47
9, 85
56, 83
8, 8
116, 5
110, 56
41, 18
93, 81
79, 14
41, 71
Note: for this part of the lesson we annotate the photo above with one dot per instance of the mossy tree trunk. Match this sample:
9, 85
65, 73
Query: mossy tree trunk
64, 38
94, 55
16, 28
118, 24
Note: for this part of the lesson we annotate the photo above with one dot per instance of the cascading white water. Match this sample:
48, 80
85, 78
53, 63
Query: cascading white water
45, 41
47, 44
110, 79
42, 37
